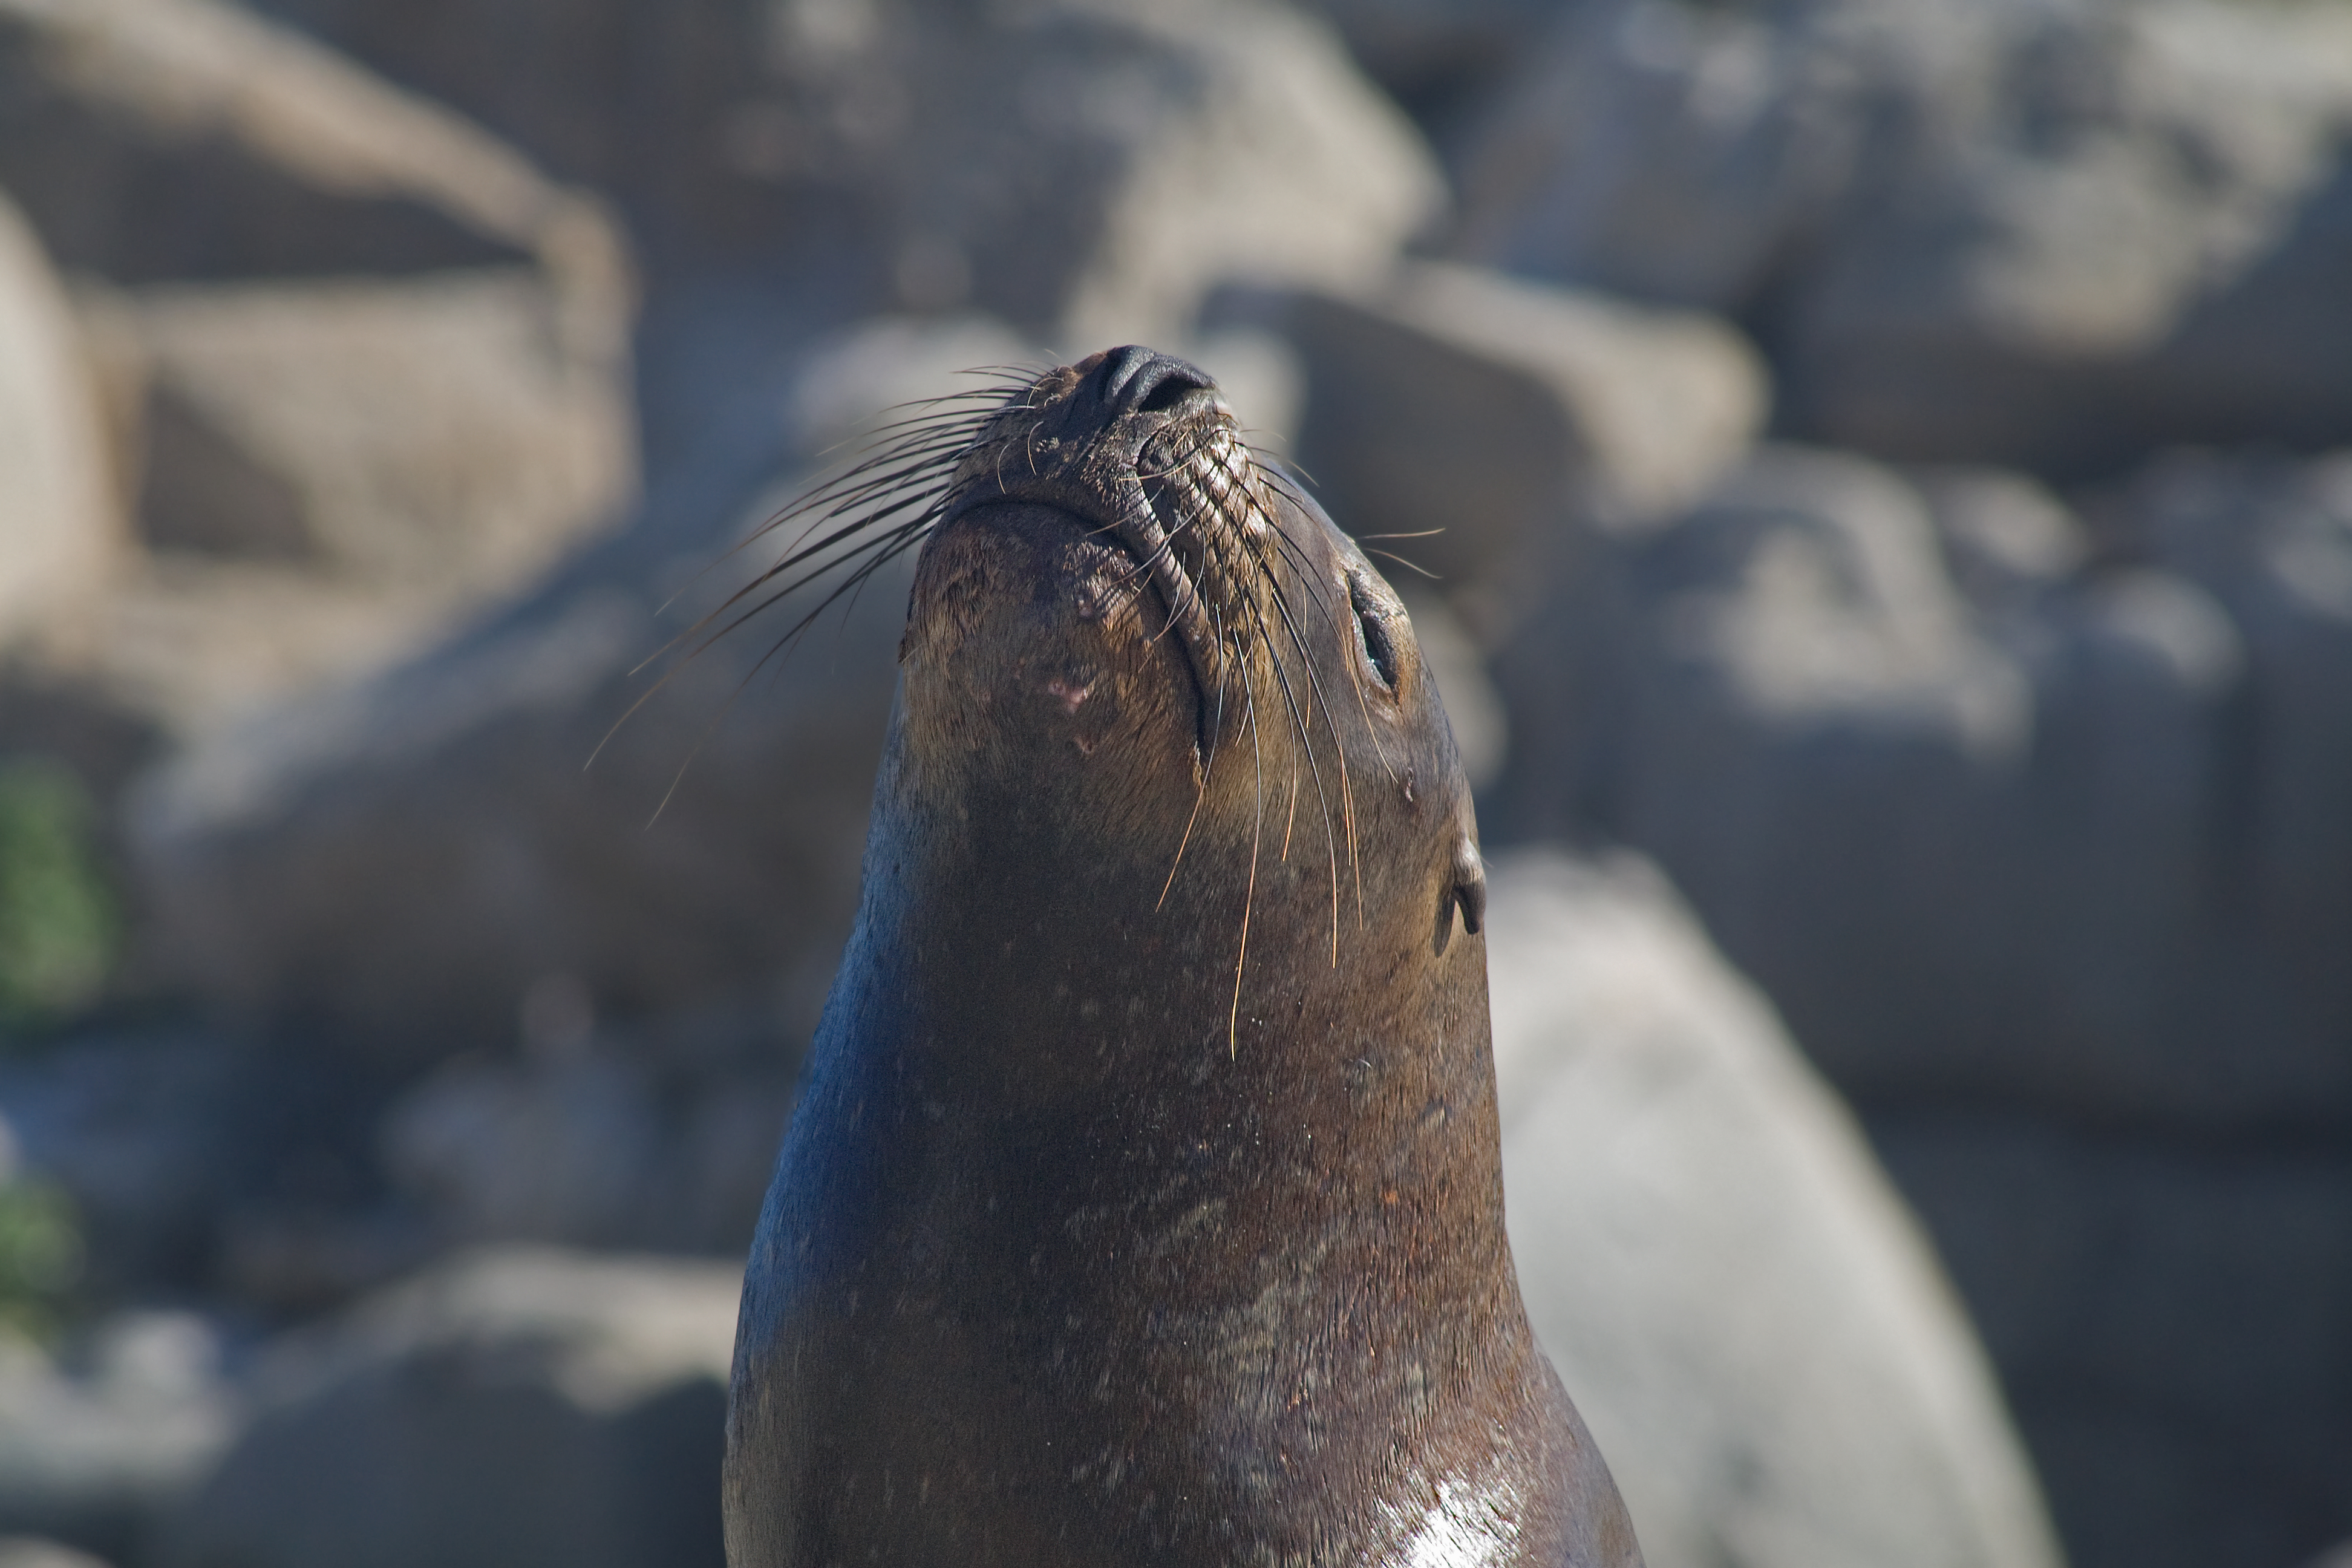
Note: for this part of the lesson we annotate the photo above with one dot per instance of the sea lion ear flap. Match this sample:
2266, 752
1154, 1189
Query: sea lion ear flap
1470, 885
1467, 892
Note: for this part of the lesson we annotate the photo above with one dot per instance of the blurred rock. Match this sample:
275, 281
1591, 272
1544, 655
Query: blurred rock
2046, 233
324, 471
411, 448
508, 1409
2169, 1317
94, 1456
156, 140
600, 1144
33, 1552
1473, 711
60, 522
2065, 846
1746, 1315
1463, 401
672, 110
1085, 170
1091, 170
444, 820
1438, 58
2038, 818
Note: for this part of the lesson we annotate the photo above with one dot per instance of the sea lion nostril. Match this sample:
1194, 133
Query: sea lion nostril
1137, 380
1173, 382
1114, 377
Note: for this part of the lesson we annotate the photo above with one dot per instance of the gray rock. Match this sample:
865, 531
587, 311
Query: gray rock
2028, 822
2169, 1320
364, 368
1744, 1311
2044, 233
1436, 56
593, 1145
157, 140
444, 820
1088, 173
676, 115
509, 1408
95, 1455
1083, 169
1462, 401
1773, 694
60, 520
335, 471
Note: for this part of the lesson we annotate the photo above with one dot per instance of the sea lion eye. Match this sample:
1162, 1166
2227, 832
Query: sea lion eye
1374, 639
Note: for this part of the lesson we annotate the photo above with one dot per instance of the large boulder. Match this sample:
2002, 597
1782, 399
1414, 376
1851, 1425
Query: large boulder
507, 1409
1776, 693
1089, 171
2031, 826
1747, 1316
2047, 233
364, 368
1438, 58
1485, 408
2168, 1317
1083, 169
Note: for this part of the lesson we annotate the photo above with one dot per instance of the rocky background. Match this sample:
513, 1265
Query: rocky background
1894, 468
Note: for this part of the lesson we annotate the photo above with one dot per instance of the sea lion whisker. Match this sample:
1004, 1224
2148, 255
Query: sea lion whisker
896, 542
1249, 892
1198, 794
880, 474
824, 493
1339, 755
1290, 820
1408, 565
1217, 726
953, 431
852, 585
992, 399
817, 565
869, 556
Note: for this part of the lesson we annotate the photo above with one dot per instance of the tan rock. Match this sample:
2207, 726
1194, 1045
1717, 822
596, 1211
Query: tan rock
363, 368
1486, 406
60, 531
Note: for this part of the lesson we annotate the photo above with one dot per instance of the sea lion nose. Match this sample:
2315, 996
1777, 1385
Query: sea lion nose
1137, 380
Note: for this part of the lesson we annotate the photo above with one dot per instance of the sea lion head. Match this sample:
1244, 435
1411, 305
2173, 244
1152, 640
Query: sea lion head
1130, 627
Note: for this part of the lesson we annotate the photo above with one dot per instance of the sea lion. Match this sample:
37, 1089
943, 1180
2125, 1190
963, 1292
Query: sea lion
1143, 1202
